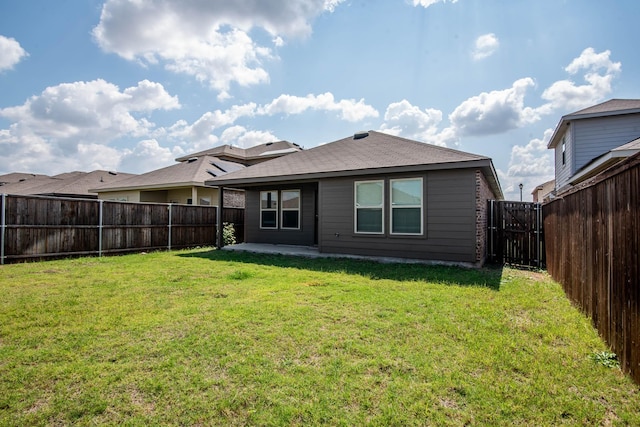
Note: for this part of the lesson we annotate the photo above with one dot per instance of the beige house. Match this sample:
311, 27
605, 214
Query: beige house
541, 191
184, 182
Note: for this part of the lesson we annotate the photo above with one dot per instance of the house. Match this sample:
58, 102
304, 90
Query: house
184, 181
590, 140
247, 156
69, 185
543, 190
371, 194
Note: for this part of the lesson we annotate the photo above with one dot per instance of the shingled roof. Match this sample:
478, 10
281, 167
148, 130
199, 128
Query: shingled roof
70, 184
247, 156
362, 154
188, 173
612, 107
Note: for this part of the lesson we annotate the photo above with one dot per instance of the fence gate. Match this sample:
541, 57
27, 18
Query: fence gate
515, 233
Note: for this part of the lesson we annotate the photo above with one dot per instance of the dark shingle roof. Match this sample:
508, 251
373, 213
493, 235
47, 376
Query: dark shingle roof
612, 105
70, 184
270, 149
350, 156
190, 172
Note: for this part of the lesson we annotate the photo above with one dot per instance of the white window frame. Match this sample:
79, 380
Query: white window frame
262, 227
356, 207
420, 206
283, 209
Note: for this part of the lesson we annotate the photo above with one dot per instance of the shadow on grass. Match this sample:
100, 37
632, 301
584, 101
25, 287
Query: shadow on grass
488, 277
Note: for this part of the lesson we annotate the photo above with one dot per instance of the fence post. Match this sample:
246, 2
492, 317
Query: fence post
538, 231
3, 226
169, 242
100, 205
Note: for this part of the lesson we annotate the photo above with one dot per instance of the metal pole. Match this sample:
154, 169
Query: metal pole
3, 226
100, 204
169, 246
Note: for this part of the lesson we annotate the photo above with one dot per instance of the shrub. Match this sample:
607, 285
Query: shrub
228, 234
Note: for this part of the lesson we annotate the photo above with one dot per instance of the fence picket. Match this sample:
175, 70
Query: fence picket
36, 227
593, 251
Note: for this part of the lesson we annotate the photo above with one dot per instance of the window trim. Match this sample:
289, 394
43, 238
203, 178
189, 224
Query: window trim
276, 192
421, 206
381, 207
283, 209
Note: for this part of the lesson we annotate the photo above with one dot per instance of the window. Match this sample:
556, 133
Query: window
406, 206
205, 201
369, 202
290, 209
564, 152
268, 209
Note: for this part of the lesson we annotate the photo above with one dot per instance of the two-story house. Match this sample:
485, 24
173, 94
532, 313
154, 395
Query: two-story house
589, 141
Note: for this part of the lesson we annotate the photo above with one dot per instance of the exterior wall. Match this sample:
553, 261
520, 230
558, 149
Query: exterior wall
566, 171
594, 137
590, 138
154, 196
120, 196
449, 219
178, 195
305, 236
483, 194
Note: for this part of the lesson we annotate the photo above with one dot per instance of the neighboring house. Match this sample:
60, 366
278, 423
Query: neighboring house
590, 140
372, 194
543, 190
247, 156
184, 181
71, 184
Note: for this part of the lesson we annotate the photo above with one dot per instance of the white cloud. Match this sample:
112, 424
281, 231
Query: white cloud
241, 137
566, 95
427, 3
406, 120
494, 112
70, 126
147, 155
348, 109
207, 40
529, 165
485, 46
10, 53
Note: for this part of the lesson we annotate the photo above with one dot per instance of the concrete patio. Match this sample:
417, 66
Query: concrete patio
313, 252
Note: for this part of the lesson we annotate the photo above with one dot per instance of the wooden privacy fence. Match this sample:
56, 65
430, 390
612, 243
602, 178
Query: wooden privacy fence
593, 246
515, 233
34, 227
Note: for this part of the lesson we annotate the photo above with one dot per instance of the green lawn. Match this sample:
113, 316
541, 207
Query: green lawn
206, 337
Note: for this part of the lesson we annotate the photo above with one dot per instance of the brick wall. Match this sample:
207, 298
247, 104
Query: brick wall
483, 193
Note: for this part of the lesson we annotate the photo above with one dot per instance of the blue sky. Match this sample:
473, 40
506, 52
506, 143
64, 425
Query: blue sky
130, 85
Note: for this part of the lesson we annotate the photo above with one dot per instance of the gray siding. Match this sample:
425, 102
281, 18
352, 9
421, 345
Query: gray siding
304, 236
595, 137
566, 171
449, 218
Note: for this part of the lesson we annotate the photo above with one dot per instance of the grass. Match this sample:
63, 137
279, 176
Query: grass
205, 337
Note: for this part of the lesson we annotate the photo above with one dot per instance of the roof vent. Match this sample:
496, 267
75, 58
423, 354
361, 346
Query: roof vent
191, 159
360, 135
